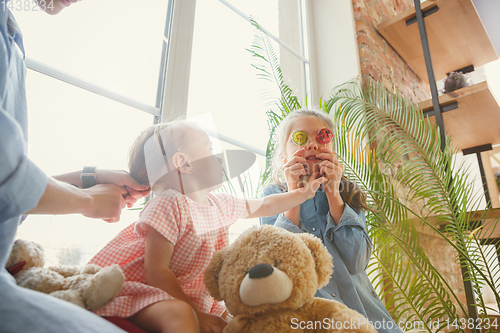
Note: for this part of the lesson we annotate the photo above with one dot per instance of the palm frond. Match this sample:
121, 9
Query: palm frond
409, 144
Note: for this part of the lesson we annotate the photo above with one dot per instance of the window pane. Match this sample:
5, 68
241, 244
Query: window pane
282, 19
222, 80
265, 12
114, 43
70, 128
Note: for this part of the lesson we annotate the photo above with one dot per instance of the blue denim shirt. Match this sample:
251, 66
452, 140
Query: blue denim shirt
350, 247
22, 184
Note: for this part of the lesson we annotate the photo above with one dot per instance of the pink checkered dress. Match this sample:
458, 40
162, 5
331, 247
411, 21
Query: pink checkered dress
195, 230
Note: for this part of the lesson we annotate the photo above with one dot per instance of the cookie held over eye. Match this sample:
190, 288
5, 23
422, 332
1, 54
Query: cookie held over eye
299, 138
325, 135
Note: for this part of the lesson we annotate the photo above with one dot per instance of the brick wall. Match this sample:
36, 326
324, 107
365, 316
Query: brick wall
377, 57
380, 61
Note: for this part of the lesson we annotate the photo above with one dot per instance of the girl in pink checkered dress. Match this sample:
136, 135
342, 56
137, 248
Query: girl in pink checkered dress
164, 254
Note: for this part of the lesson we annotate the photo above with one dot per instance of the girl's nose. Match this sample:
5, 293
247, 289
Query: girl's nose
311, 145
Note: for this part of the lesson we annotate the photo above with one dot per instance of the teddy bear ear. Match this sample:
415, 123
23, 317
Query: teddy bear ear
322, 259
212, 274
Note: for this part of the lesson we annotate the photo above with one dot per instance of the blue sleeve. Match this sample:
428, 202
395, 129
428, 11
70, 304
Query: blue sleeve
279, 220
22, 183
350, 239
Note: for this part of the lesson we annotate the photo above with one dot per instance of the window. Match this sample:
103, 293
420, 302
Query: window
115, 45
116, 48
223, 83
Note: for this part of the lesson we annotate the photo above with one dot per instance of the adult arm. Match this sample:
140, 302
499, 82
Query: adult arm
100, 201
350, 238
122, 178
22, 183
25, 189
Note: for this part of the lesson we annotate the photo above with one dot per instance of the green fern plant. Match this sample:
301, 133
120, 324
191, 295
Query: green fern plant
393, 153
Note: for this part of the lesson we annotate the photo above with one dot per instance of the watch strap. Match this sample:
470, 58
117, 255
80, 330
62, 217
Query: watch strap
89, 169
88, 176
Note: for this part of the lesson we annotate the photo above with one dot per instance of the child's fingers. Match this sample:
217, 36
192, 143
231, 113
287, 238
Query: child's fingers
327, 169
298, 152
294, 160
327, 157
297, 169
315, 180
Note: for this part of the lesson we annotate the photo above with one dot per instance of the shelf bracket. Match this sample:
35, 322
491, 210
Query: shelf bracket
464, 70
478, 150
425, 13
444, 108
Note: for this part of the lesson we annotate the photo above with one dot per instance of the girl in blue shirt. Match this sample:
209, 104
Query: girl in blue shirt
304, 147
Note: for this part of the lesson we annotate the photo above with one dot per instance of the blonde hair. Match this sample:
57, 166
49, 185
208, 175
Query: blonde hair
172, 138
350, 191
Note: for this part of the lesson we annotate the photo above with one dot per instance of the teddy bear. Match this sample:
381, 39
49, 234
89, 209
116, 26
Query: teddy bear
268, 278
90, 286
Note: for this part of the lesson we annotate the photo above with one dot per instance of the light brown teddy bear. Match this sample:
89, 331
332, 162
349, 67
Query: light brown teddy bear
268, 278
89, 286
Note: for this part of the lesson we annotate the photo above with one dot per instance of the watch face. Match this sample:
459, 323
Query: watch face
88, 180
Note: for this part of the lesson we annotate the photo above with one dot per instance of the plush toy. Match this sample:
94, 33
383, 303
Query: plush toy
89, 286
268, 278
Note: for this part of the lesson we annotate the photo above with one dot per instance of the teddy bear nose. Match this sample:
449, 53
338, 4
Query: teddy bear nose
260, 271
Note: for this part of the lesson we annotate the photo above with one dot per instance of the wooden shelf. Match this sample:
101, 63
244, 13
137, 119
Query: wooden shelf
477, 119
491, 225
457, 38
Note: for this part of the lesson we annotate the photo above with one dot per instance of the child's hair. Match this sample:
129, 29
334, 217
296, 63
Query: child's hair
170, 138
350, 191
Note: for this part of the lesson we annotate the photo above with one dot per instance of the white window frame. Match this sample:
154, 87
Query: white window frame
173, 82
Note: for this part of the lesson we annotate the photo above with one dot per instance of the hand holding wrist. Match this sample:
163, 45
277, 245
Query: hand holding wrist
103, 201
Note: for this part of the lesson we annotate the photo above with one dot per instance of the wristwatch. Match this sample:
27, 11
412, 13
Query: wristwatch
88, 176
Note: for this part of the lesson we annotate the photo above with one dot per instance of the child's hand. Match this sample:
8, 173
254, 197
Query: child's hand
312, 185
293, 169
210, 323
331, 169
